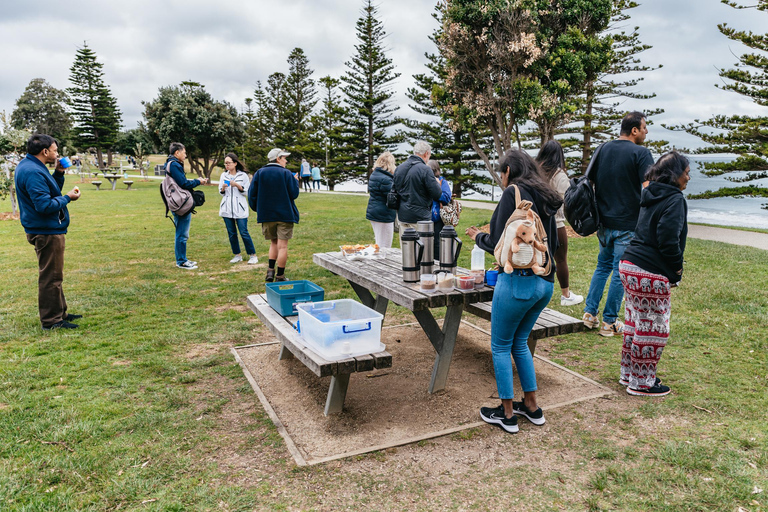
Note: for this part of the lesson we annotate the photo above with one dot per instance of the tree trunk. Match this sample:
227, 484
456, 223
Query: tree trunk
99, 159
486, 160
586, 150
109, 157
13, 198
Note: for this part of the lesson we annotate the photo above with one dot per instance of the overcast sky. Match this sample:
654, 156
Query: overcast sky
228, 45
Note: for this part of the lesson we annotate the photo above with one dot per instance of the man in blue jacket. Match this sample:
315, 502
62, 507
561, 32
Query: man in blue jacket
271, 195
175, 167
44, 215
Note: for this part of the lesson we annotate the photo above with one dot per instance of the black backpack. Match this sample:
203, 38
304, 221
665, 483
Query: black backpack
580, 203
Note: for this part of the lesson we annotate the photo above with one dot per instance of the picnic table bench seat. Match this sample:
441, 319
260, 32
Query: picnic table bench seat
292, 346
97, 183
129, 183
550, 322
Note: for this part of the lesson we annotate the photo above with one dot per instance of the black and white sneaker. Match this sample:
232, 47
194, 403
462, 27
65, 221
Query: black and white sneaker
188, 265
624, 382
536, 417
656, 390
60, 325
495, 416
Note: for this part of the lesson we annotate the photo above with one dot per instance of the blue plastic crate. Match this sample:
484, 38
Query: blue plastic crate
285, 295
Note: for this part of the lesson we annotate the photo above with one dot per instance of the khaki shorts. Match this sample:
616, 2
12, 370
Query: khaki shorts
277, 230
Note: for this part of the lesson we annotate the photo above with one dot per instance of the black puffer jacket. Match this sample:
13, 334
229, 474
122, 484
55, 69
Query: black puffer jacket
416, 184
661, 231
379, 185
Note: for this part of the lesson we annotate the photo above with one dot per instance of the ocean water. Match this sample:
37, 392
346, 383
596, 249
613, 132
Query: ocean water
725, 211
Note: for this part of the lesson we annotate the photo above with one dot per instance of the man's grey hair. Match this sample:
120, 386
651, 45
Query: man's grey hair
421, 148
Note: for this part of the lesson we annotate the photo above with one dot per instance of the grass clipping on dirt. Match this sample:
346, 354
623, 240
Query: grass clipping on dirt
144, 407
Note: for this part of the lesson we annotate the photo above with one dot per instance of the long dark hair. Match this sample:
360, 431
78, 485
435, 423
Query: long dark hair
668, 168
524, 171
551, 158
238, 165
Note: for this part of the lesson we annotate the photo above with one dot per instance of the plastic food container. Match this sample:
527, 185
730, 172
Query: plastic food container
284, 296
465, 282
479, 276
444, 281
428, 283
338, 329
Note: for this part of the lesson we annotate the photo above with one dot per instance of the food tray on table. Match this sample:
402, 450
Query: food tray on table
361, 252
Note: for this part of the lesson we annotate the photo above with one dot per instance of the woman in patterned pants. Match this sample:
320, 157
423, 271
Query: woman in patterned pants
651, 266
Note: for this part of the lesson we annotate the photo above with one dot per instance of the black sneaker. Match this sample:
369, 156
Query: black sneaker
71, 317
495, 416
536, 417
60, 325
270, 275
656, 390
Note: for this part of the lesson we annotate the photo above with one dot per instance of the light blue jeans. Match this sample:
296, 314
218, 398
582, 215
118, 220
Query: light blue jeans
182, 235
613, 242
517, 302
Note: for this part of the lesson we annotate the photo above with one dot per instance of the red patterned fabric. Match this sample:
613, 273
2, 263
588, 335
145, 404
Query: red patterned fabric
646, 324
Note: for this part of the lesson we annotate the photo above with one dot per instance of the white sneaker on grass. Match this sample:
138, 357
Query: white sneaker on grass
571, 300
253, 260
237, 259
187, 265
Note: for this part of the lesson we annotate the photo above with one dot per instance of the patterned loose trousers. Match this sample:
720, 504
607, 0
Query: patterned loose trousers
646, 328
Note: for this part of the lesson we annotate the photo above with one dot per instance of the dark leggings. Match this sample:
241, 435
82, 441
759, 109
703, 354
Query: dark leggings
561, 257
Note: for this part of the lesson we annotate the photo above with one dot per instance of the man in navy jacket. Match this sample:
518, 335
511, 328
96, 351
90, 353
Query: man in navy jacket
175, 167
271, 195
44, 215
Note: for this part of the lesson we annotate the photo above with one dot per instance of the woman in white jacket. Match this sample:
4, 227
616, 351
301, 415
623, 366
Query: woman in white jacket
233, 186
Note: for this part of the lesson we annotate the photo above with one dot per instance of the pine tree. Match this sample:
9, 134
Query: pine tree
94, 110
300, 99
331, 123
746, 136
451, 148
276, 108
368, 94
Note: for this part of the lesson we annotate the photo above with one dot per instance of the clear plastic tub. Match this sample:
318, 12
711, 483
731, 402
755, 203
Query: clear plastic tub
337, 329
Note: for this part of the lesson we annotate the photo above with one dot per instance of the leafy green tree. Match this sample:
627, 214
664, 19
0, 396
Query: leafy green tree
367, 88
189, 114
276, 107
450, 147
94, 110
300, 100
136, 143
13, 141
331, 128
744, 135
253, 151
42, 109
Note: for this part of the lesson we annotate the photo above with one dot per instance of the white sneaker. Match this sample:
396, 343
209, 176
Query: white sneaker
236, 259
187, 265
571, 300
253, 260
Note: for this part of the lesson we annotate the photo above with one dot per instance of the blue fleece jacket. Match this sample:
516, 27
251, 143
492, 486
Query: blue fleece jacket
42, 208
273, 189
176, 169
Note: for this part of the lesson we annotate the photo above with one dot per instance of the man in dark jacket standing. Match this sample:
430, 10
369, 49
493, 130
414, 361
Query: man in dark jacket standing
417, 187
618, 174
175, 167
44, 215
271, 195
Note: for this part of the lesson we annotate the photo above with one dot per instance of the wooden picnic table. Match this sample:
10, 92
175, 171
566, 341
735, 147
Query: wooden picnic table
384, 277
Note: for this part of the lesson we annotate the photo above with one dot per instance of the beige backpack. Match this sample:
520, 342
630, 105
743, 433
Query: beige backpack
523, 245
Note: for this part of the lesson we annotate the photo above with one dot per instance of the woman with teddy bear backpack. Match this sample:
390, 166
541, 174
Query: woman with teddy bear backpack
520, 296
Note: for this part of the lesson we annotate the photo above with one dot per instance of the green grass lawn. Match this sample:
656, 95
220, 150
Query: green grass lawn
144, 408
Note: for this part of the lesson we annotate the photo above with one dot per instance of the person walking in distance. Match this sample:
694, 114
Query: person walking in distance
306, 175
379, 184
271, 195
551, 160
618, 173
316, 177
233, 186
174, 166
44, 215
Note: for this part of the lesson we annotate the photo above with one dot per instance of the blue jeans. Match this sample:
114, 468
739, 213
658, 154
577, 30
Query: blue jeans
517, 302
233, 225
182, 235
612, 245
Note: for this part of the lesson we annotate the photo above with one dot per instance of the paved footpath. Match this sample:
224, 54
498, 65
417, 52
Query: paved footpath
728, 236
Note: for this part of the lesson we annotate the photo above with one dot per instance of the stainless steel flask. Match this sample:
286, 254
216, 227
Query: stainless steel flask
413, 251
426, 230
450, 247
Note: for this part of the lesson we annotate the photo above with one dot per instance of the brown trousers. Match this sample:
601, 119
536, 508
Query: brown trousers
50, 260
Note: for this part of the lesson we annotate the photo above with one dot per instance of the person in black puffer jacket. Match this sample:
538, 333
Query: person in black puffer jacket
379, 184
417, 187
650, 267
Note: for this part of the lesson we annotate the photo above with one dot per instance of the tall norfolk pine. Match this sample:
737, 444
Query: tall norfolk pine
94, 110
368, 94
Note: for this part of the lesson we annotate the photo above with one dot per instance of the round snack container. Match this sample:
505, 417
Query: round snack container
465, 282
428, 283
479, 276
491, 276
445, 281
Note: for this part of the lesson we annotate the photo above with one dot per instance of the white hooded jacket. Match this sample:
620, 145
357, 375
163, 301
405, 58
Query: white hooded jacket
234, 204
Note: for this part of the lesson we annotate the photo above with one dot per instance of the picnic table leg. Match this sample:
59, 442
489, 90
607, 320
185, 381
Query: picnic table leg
337, 392
284, 353
114, 184
443, 340
379, 304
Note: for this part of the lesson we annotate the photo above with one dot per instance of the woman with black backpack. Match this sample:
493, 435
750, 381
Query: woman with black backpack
520, 296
